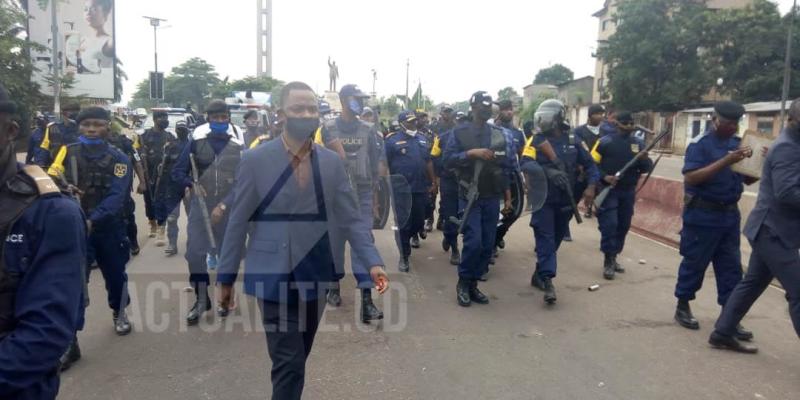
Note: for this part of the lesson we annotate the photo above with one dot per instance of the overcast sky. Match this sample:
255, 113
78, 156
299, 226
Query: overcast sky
455, 46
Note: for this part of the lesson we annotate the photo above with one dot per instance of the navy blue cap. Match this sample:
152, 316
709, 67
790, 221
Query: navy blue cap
159, 114
351, 91
407, 116
729, 110
92, 113
596, 109
481, 97
624, 117
324, 107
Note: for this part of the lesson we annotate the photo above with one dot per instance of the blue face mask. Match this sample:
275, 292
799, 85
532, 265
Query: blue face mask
90, 142
355, 106
218, 127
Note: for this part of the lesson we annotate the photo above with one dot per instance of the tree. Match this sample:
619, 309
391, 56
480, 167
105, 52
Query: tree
16, 66
192, 81
507, 93
255, 83
555, 75
654, 57
390, 107
747, 51
141, 98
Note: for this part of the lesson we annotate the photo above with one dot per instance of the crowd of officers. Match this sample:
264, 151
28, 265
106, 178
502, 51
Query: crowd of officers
481, 153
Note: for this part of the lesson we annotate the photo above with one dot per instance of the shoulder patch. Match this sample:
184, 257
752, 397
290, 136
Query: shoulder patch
44, 184
120, 170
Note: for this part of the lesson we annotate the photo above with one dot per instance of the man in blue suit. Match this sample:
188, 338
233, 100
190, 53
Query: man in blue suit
772, 231
292, 203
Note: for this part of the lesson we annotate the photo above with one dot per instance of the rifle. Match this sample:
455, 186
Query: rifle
201, 201
601, 198
547, 149
472, 195
160, 171
73, 170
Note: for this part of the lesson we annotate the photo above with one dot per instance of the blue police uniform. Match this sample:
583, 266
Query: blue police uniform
153, 144
711, 220
480, 228
103, 174
217, 157
517, 144
551, 223
167, 207
407, 156
614, 216
34, 142
430, 206
124, 144
41, 287
448, 189
772, 231
56, 134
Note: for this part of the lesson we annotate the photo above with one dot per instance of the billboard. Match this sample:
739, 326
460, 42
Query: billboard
85, 45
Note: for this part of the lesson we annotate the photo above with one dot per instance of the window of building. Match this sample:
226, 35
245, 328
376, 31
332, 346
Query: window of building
696, 128
765, 125
605, 24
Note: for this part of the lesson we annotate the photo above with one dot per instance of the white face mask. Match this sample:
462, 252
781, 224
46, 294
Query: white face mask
412, 133
594, 129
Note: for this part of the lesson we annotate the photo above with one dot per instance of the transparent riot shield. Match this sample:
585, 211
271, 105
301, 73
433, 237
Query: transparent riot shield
536, 183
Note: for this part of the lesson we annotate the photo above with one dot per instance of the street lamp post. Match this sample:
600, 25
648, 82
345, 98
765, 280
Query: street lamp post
56, 62
155, 22
787, 72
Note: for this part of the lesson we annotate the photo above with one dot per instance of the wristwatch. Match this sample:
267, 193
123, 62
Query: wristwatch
223, 207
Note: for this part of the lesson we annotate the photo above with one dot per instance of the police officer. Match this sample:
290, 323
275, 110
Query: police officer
589, 133
448, 200
252, 128
772, 231
216, 154
614, 216
153, 142
100, 175
171, 193
35, 141
126, 145
42, 263
58, 134
408, 155
488, 146
359, 141
505, 118
423, 127
560, 153
711, 219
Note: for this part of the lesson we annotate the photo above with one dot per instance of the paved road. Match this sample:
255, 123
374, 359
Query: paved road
616, 343
671, 166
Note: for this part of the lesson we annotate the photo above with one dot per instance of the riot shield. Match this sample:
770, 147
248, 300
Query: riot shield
517, 200
536, 182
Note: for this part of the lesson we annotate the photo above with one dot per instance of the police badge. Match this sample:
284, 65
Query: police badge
120, 170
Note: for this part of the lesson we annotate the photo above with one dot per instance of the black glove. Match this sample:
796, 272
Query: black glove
558, 178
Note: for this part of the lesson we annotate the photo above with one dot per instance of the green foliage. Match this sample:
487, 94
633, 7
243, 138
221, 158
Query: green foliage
390, 107
555, 75
526, 114
748, 52
507, 93
656, 55
255, 83
192, 81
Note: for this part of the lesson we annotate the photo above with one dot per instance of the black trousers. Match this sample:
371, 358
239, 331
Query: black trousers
290, 332
770, 259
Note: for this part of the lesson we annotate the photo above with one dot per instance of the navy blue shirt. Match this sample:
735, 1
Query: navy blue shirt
725, 187
570, 151
121, 181
47, 248
408, 156
33, 143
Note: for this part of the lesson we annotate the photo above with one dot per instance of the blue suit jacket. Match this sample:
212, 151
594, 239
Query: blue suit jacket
286, 244
778, 204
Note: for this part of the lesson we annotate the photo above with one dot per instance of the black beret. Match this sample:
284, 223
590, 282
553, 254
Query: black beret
92, 113
625, 117
729, 110
596, 109
505, 105
159, 114
73, 106
6, 105
216, 107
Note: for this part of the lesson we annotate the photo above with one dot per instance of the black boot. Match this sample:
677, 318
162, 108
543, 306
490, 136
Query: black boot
683, 314
403, 265
121, 324
428, 226
724, 342
171, 250
743, 334
476, 295
202, 304
369, 312
440, 223
608, 267
617, 268
334, 296
549, 291
415, 241
455, 256
446, 244
501, 244
71, 356
536, 281
462, 292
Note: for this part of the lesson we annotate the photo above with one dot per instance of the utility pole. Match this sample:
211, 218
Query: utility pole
787, 67
374, 78
408, 67
56, 62
155, 22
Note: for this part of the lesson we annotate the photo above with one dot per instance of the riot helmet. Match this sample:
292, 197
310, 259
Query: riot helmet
550, 115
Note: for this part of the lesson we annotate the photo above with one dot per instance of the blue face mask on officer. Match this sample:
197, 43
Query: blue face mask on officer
163, 124
355, 105
218, 127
